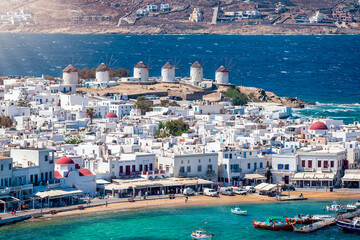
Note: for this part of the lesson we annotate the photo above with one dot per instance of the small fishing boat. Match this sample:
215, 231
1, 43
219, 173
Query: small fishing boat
357, 204
238, 211
202, 234
274, 223
350, 207
347, 225
298, 219
336, 208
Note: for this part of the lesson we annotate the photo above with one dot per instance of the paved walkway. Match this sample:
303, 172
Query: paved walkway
93, 203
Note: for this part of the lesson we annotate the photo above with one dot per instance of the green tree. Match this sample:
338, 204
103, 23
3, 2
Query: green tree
90, 113
238, 98
144, 105
164, 103
176, 127
6, 122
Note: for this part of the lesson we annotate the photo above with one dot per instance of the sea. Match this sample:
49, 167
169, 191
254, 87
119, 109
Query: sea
174, 224
320, 69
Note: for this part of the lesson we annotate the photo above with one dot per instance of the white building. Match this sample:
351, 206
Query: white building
196, 73
168, 73
141, 71
222, 75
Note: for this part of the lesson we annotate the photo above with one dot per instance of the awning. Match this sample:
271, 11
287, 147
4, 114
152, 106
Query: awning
255, 176
58, 193
115, 187
306, 176
102, 181
351, 176
266, 187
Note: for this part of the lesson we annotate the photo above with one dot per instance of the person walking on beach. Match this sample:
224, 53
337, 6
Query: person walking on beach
106, 203
186, 198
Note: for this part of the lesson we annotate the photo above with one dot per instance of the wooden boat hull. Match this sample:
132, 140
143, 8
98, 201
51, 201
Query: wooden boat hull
300, 220
348, 227
275, 226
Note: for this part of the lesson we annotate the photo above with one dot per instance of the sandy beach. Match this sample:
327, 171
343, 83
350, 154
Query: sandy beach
195, 201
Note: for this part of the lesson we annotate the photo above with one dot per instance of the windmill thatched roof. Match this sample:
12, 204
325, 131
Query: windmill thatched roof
196, 65
140, 65
102, 68
222, 69
168, 66
70, 69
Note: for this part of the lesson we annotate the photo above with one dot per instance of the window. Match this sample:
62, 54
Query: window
133, 168
326, 164
151, 167
2, 167
188, 168
230, 155
209, 159
280, 166
249, 165
9, 166
199, 168
199, 161
182, 169
50, 175
309, 164
121, 169
250, 153
225, 166
31, 178
46, 158
261, 165
319, 164
226, 155
42, 177
287, 166
303, 163
140, 167
332, 164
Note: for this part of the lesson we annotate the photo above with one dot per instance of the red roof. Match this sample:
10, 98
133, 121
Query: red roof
318, 126
57, 175
111, 115
65, 161
84, 172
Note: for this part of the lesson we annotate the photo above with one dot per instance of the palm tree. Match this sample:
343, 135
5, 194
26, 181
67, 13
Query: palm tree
90, 113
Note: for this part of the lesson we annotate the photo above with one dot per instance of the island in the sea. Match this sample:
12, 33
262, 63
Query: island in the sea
181, 16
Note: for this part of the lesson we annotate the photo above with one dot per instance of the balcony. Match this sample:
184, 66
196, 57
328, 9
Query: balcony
236, 170
210, 172
153, 175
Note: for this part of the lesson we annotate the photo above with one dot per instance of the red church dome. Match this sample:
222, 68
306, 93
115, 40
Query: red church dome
111, 115
318, 126
65, 161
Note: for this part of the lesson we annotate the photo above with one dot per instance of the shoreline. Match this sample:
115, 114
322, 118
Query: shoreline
201, 201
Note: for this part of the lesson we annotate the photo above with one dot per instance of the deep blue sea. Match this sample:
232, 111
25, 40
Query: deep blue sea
322, 69
173, 224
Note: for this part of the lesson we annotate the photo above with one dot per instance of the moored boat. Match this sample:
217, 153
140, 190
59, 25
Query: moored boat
350, 207
347, 225
238, 211
321, 217
357, 204
274, 224
202, 234
336, 208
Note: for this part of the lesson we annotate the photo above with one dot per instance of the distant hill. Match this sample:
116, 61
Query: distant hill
123, 16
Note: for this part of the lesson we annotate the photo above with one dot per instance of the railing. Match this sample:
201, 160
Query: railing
182, 174
129, 174
236, 170
210, 172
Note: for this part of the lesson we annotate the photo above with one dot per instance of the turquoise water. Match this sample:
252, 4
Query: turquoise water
171, 224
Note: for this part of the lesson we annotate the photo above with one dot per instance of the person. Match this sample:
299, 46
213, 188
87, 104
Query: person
12, 211
186, 198
301, 195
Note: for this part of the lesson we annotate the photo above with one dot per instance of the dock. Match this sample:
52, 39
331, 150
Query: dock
325, 223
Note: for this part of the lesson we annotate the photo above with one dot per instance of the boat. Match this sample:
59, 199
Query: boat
336, 208
238, 211
274, 223
357, 204
301, 220
320, 217
347, 225
202, 234
199, 234
350, 207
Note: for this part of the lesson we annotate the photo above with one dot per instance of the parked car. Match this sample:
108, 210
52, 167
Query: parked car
210, 192
250, 189
239, 191
189, 191
226, 191
288, 187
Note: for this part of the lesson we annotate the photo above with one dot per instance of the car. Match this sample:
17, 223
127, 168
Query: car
189, 191
288, 188
250, 189
210, 192
226, 191
239, 191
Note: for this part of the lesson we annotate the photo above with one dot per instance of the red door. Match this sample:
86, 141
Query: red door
127, 170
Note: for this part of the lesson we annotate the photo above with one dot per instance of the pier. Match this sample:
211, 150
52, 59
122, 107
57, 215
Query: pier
325, 223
